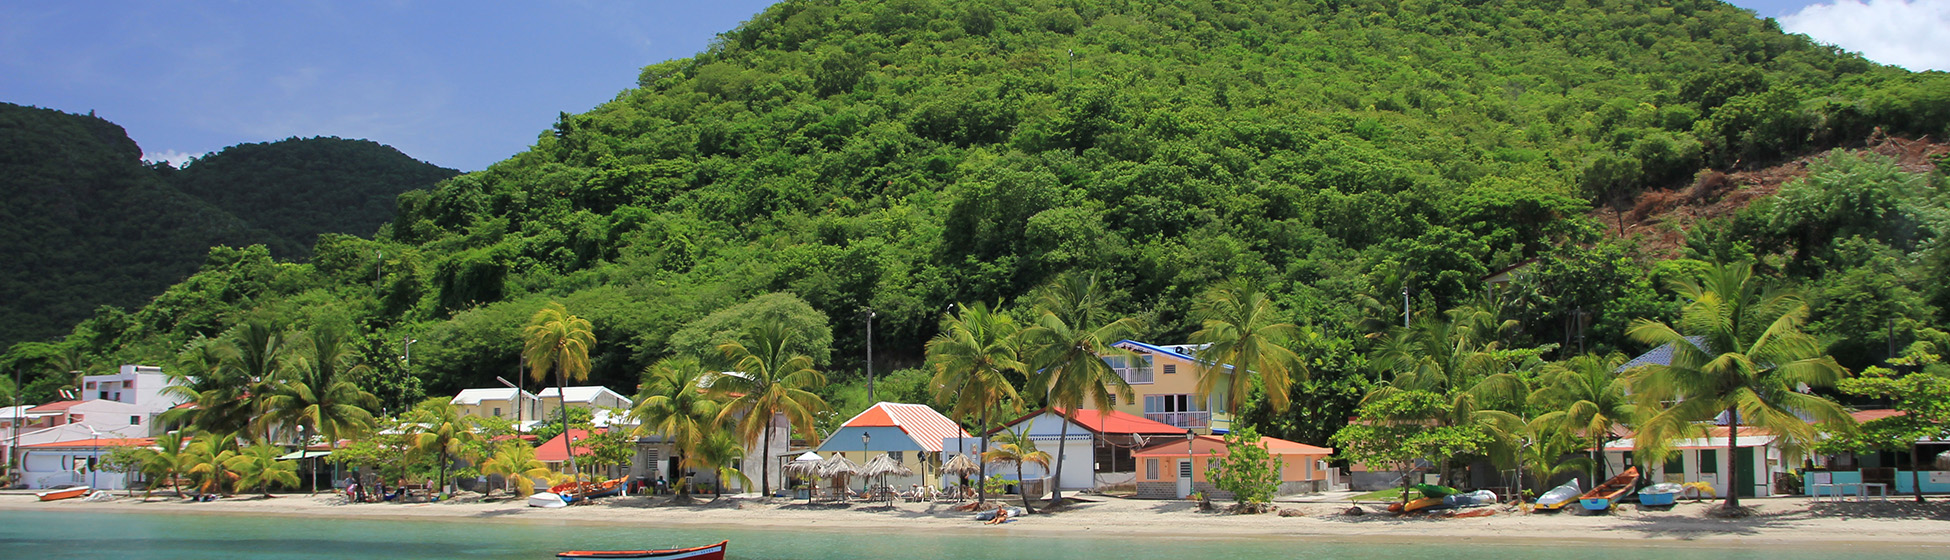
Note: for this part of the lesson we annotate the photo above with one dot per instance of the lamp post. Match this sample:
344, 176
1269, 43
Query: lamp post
1190, 467
95, 460
864, 438
304, 453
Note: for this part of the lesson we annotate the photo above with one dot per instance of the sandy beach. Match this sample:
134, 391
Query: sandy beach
1796, 522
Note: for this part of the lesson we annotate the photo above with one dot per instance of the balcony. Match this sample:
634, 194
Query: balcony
1200, 419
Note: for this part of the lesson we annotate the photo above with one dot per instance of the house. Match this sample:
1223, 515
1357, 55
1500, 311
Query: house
1165, 381
1097, 451
593, 398
913, 434
508, 403
141, 386
56, 463
1177, 469
1886, 467
1758, 458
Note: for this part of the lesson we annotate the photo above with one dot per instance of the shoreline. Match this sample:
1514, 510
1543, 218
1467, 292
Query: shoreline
1894, 526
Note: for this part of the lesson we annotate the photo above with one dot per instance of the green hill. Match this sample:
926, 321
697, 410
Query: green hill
904, 155
88, 224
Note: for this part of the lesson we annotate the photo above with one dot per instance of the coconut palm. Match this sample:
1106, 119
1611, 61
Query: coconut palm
1456, 356
1015, 447
556, 340
1544, 456
318, 392
1242, 328
771, 380
437, 427
722, 453
260, 359
209, 459
1751, 363
168, 460
515, 462
971, 360
258, 465
672, 404
1585, 397
203, 375
1067, 346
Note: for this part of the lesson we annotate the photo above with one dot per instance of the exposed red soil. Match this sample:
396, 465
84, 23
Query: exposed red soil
1659, 218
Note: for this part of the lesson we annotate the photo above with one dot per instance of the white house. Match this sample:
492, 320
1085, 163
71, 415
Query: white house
69, 460
141, 386
504, 402
594, 398
1757, 458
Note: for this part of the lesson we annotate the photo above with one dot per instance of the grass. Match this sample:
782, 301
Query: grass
1387, 495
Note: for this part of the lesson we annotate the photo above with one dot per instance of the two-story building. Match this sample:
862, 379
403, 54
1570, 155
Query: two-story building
141, 386
1165, 380
519, 406
593, 398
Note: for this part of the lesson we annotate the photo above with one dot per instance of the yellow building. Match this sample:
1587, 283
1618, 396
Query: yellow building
508, 403
1165, 379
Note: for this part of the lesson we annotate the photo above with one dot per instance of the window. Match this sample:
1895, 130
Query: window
1150, 469
497, 412
1676, 465
1171, 369
90, 385
135, 420
1113, 399
1709, 461
1133, 371
899, 456
1172, 403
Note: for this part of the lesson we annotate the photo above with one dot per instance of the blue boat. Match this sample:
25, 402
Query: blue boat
1659, 495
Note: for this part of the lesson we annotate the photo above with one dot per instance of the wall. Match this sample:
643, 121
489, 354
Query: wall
1934, 482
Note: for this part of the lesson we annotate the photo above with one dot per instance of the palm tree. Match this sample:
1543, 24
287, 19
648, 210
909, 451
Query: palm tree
1751, 363
1456, 356
209, 459
1015, 447
1067, 346
559, 341
515, 462
673, 404
1586, 398
436, 426
203, 375
258, 465
971, 359
261, 358
319, 393
1243, 328
1543, 456
169, 459
771, 380
721, 452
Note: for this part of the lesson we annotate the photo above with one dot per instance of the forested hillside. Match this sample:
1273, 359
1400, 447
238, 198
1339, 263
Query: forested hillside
87, 223
903, 156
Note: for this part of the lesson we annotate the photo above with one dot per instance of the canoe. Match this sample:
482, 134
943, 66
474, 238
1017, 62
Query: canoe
1661, 494
1605, 495
578, 491
707, 552
546, 500
1414, 505
62, 494
1559, 497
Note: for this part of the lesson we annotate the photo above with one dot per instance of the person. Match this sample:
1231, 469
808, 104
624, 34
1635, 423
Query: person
352, 492
1001, 516
660, 484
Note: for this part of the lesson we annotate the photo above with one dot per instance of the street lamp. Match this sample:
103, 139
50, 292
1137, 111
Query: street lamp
96, 459
1190, 467
864, 438
305, 454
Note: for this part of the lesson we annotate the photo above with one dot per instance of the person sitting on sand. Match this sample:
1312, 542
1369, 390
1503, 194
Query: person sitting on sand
1001, 516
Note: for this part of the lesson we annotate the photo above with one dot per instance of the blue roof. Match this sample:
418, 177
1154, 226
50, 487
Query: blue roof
1155, 349
1661, 356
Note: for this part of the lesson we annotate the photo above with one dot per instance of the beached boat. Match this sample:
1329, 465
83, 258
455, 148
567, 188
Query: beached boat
546, 500
62, 493
708, 552
1659, 495
1414, 505
579, 491
1605, 495
1559, 497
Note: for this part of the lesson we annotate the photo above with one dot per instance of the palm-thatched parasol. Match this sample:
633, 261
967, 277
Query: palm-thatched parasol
806, 466
885, 465
961, 465
838, 468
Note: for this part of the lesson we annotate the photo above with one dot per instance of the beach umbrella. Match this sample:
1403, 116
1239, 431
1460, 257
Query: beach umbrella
885, 465
961, 465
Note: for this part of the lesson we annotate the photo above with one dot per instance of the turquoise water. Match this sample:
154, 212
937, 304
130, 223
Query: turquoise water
138, 536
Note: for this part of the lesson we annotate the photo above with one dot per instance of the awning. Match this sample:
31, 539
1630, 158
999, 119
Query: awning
303, 455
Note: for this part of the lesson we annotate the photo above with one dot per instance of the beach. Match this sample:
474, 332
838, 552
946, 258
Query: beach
1898, 523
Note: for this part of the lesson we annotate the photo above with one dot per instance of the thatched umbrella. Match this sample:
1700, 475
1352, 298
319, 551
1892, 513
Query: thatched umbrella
838, 468
884, 465
805, 467
961, 465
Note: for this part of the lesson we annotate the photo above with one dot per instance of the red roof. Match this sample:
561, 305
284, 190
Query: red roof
54, 407
551, 452
918, 421
1861, 416
1112, 422
1216, 446
95, 442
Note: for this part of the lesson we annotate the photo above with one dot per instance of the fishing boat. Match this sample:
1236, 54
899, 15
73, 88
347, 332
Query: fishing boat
572, 492
1605, 495
1559, 497
546, 500
1659, 495
62, 493
707, 552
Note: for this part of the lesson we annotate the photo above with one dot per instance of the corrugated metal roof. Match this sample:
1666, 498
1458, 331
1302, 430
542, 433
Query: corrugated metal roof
918, 421
1216, 446
1112, 422
1661, 356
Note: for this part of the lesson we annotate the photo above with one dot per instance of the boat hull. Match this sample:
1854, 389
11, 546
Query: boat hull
546, 500
1604, 495
1658, 499
1558, 497
707, 552
1414, 505
1596, 504
62, 494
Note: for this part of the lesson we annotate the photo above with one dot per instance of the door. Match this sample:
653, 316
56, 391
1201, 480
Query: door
1184, 478
1743, 463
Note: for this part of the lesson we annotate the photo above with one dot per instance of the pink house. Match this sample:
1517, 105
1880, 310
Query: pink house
1171, 470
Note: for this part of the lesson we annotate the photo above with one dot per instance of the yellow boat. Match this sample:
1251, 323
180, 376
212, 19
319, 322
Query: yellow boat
1414, 505
1558, 497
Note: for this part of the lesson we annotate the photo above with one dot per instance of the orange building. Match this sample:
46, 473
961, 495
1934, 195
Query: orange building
1170, 470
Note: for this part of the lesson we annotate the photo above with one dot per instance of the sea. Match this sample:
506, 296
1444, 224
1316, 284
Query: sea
37, 534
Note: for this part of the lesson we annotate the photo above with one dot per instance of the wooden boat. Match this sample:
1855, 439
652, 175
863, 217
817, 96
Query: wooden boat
707, 552
546, 500
1603, 496
578, 491
1414, 505
1659, 495
62, 493
1558, 497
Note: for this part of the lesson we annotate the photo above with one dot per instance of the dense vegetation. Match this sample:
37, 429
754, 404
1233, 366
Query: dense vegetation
901, 156
88, 224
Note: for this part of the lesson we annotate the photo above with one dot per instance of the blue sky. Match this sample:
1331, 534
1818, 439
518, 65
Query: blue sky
465, 84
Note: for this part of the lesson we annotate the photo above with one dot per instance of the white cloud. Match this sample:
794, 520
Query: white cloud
1913, 35
175, 158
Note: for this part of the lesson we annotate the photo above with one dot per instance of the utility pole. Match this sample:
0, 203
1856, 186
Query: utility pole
1404, 304
870, 315
378, 270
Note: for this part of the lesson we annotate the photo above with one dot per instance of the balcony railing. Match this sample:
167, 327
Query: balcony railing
1135, 375
1181, 419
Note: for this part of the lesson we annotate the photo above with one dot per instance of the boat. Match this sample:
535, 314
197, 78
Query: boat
62, 493
578, 491
707, 552
1605, 495
1414, 505
1660, 495
1559, 497
1467, 499
546, 500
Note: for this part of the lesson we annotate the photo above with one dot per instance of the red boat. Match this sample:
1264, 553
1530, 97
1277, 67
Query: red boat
62, 494
709, 552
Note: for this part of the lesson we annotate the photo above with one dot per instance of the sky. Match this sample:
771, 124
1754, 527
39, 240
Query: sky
466, 84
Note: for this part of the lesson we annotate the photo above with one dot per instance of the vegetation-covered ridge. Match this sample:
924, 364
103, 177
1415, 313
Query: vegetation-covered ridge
900, 156
87, 223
